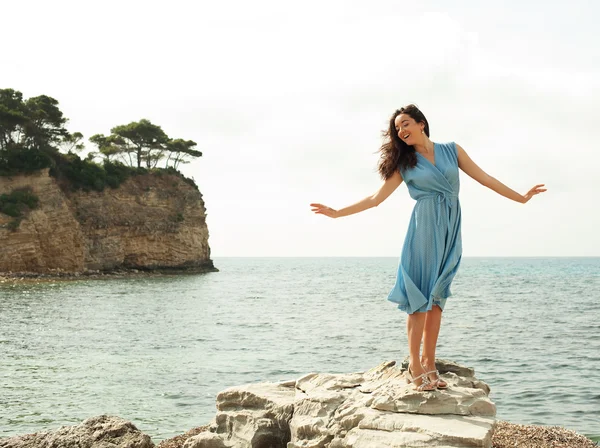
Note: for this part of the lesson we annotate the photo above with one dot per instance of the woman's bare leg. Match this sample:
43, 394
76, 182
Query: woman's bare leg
431, 330
415, 324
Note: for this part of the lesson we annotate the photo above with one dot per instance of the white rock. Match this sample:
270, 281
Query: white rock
205, 440
376, 408
255, 415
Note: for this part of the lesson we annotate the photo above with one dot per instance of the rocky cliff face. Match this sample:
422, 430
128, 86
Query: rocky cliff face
149, 222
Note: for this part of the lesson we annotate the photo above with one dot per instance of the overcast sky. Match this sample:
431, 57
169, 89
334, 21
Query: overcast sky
287, 101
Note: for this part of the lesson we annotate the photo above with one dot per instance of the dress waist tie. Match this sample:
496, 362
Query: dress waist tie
441, 198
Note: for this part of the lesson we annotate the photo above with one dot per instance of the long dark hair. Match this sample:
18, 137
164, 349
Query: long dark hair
394, 152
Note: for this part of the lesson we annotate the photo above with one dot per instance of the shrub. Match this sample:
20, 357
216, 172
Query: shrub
14, 224
176, 172
177, 218
23, 160
116, 173
25, 196
87, 175
11, 209
80, 173
16, 204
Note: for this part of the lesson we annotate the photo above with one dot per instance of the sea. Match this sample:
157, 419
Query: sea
156, 350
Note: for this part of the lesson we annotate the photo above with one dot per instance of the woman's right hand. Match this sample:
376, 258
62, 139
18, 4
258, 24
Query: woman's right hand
321, 209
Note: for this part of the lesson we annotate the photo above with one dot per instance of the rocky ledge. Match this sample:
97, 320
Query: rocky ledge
376, 408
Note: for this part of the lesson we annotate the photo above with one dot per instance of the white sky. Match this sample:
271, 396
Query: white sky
287, 101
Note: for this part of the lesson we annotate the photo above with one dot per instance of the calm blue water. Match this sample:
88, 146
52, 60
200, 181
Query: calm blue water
157, 350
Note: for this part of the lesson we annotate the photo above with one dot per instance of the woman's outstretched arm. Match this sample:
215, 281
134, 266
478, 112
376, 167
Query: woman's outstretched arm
381, 195
468, 166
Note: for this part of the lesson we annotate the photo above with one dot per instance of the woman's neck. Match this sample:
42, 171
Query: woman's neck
425, 147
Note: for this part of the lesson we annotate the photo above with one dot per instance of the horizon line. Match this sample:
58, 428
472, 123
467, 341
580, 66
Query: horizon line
397, 256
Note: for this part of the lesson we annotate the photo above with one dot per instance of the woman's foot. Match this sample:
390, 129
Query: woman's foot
419, 378
434, 376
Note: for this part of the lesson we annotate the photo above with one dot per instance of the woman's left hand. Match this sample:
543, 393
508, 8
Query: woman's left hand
531, 193
321, 209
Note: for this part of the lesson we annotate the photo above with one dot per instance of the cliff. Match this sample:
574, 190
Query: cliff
149, 222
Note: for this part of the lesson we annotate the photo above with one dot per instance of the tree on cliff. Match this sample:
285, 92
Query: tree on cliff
31, 131
72, 142
181, 151
33, 136
144, 143
107, 146
144, 139
34, 123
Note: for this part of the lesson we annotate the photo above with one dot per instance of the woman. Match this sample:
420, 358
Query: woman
433, 247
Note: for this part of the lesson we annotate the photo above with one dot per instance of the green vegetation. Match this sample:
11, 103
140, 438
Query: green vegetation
33, 136
87, 175
16, 204
178, 217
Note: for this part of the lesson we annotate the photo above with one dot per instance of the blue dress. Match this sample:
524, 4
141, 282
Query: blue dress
433, 246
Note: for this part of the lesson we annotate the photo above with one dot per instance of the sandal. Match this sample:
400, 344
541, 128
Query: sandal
425, 385
440, 383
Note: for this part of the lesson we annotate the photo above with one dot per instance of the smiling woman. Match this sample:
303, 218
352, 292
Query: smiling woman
432, 249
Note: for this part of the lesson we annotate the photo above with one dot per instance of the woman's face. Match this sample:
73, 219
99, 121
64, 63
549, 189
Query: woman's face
408, 129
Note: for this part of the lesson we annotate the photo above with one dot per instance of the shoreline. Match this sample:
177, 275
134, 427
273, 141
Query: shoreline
506, 435
59, 275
